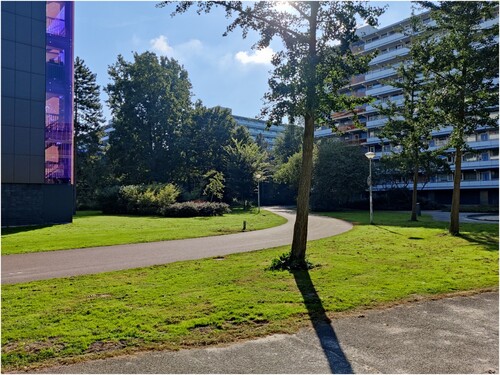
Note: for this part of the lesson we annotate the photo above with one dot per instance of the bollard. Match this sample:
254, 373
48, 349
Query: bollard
244, 225
419, 211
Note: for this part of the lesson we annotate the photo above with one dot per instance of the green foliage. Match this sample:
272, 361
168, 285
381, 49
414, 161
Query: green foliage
88, 120
203, 139
289, 172
243, 162
150, 199
150, 99
288, 143
194, 209
285, 262
340, 175
215, 186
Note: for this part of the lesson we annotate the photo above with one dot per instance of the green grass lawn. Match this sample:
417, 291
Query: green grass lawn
90, 228
196, 303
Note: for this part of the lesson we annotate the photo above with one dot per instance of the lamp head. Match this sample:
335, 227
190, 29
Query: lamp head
370, 155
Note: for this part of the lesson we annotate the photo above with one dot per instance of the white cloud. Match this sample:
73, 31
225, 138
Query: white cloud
181, 52
161, 45
261, 56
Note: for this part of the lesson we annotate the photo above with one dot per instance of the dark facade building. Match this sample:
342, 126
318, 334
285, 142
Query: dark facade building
37, 112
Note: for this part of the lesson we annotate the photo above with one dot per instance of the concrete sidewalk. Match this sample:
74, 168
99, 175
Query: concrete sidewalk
452, 335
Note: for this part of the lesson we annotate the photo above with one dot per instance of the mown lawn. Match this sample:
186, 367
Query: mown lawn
196, 303
91, 228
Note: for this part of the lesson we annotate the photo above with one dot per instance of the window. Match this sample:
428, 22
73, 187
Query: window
485, 156
493, 134
483, 137
494, 154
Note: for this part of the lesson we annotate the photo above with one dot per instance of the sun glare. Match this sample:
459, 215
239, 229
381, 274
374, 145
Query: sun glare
282, 6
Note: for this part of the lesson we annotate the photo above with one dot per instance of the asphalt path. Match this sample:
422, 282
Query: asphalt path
18, 268
456, 335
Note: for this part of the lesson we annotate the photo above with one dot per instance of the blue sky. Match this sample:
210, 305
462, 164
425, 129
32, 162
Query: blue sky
224, 71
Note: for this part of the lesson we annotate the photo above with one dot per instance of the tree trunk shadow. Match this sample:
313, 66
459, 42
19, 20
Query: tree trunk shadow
332, 349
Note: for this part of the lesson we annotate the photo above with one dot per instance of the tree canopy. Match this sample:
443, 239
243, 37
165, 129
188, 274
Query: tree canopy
150, 99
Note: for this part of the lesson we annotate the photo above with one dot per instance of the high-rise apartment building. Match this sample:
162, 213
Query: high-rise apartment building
479, 168
37, 112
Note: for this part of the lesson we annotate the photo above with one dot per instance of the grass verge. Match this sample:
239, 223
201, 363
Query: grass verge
91, 228
221, 300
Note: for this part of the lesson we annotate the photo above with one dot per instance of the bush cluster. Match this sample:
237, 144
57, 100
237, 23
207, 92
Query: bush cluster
199, 208
155, 199
138, 199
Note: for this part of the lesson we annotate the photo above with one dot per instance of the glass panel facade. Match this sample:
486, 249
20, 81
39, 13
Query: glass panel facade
59, 93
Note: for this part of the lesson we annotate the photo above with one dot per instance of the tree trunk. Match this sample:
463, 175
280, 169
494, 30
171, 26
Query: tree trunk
299, 241
414, 194
455, 200
300, 229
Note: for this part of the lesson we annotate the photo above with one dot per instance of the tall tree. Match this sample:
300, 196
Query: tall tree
410, 125
203, 140
315, 63
150, 99
460, 54
88, 120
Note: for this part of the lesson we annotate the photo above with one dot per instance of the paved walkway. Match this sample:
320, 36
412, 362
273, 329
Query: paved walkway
465, 217
40, 266
453, 335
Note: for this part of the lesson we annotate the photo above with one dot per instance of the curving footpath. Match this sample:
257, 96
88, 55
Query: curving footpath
20, 268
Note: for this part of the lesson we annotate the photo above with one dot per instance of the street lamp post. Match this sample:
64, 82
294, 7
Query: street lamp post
370, 155
258, 176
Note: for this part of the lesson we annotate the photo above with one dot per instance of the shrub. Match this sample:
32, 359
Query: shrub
285, 263
138, 199
192, 209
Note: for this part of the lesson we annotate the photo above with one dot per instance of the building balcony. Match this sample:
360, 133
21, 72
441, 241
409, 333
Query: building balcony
380, 74
385, 89
389, 56
480, 145
445, 185
376, 123
479, 164
384, 41
371, 107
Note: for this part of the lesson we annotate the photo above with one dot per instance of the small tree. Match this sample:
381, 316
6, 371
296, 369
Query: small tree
215, 186
460, 55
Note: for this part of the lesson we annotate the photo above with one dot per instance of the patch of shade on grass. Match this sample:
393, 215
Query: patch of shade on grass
202, 302
90, 229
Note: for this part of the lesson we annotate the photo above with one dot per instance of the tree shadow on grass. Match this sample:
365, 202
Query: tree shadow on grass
337, 360
486, 239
